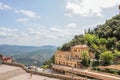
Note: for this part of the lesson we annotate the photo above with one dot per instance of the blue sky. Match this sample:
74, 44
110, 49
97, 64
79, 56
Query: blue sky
51, 22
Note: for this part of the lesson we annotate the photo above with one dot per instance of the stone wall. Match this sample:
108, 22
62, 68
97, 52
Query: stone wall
86, 73
59, 76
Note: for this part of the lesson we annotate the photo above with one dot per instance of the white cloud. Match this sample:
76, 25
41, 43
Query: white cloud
7, 32
3, 34
71, 25
65, 32
36, 31
11, 33
88, 7
55, 29
28, 13
40, 35
23, 20
51, 36
4, 6
5, 29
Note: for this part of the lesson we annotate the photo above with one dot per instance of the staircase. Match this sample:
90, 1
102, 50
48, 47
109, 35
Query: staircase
12, 73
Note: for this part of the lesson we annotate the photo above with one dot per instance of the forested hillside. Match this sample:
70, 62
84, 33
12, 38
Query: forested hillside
104, 40
105, 37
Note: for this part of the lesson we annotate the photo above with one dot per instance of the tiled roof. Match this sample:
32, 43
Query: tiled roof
6, 58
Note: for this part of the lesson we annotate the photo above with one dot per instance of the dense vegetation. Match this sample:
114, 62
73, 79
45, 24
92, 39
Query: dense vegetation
48, 63
104, 40
107, 70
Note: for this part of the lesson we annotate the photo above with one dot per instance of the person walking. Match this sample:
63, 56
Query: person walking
30, 75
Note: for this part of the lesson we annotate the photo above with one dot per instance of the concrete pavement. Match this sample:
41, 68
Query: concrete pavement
16, 73
6, 68
34, 77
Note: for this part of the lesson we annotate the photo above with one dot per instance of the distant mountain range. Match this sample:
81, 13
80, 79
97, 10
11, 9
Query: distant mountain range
28, 54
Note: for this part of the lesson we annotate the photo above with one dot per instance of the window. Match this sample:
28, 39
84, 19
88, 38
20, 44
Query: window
59, 56
75, 65
76, 57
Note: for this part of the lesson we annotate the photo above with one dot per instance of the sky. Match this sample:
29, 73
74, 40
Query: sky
51, 22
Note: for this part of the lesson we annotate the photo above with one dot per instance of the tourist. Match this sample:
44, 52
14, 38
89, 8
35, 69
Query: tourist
30, 75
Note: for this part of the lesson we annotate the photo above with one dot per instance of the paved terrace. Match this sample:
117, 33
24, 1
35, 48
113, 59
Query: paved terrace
6, 68
86, 72
34, 77
16, 73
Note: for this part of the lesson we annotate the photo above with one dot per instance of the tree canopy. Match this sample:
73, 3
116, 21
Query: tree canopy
105, 37
107, 57
85, 58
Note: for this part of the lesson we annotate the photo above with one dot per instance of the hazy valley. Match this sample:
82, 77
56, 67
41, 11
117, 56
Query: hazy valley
28, 54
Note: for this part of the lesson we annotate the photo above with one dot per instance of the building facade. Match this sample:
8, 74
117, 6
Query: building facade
71, 58
7, 59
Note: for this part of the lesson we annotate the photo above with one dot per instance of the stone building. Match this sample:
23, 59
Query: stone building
7, 59
71, 58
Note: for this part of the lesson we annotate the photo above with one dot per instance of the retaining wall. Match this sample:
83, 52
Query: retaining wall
59, 76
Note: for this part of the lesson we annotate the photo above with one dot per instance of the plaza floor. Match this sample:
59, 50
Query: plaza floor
16, 73
34, 77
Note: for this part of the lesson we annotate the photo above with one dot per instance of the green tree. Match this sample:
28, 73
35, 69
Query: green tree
90, 39
110, 42
117, 55
118, 45
85, 58
107, 57
66, 47
47, 63
1, 56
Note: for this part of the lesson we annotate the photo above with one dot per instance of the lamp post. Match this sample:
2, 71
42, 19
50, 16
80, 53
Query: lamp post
51, 69
35, 64
72, 72
99, 57
112, 62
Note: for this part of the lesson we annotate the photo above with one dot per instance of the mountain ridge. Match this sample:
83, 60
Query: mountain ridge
28, 54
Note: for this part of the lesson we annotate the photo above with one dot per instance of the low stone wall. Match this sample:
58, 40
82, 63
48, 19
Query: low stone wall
104, 73
59, 76
86, 73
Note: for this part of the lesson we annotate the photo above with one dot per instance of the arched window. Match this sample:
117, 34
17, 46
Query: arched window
66, 64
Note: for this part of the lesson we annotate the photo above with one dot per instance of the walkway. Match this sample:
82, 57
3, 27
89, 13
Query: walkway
16, 73
86, 72
34, 77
